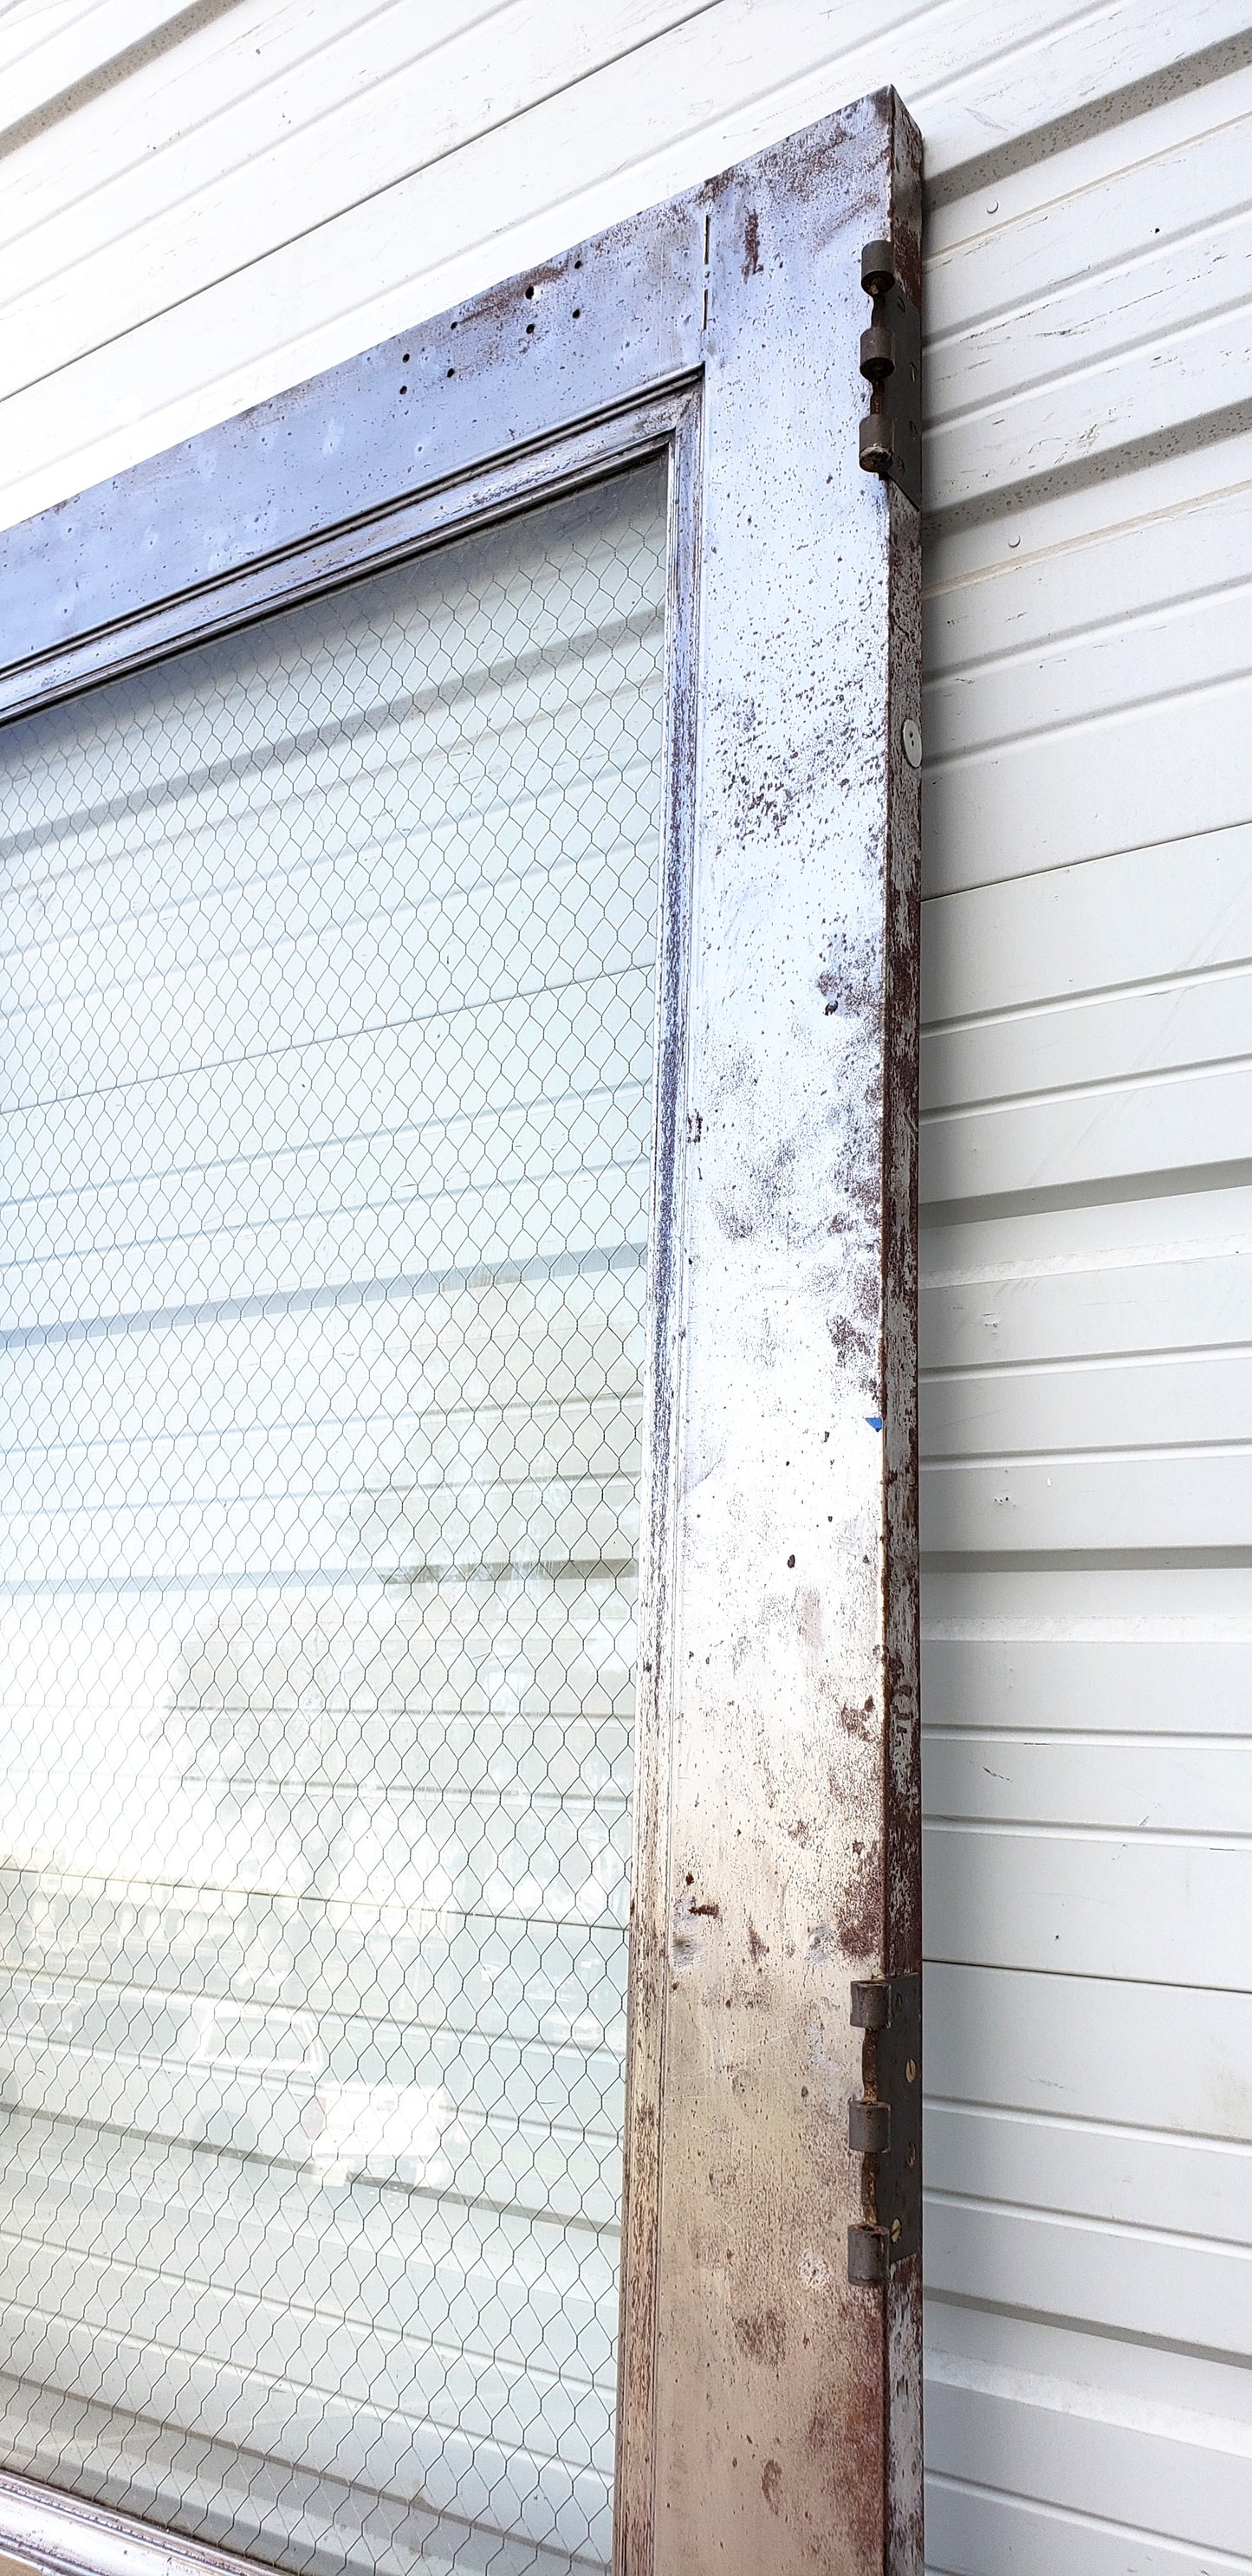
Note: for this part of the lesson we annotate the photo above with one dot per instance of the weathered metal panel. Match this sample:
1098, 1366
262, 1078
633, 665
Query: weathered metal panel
775, 2421
770, 2411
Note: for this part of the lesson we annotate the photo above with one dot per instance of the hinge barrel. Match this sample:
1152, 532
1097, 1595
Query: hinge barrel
885, 2124
890, 440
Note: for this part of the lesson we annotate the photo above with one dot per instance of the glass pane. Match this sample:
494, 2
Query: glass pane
328, 1040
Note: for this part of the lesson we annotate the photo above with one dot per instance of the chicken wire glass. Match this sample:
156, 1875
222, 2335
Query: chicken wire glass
328, 1051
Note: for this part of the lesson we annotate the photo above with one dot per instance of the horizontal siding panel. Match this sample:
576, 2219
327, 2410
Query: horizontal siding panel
1172, 650
1104, 406
219, 97
1111, 2279
1066, 627
1136, 917
1134, 1504
1144, 775
1087, 840
1168, 2186
243, 132
60, 43
1001, 1778
1031, 79
1093, 364
1089, 1905
1169, 1685
1138, 2500
978, 2533
1092, 2045
1029, 1252
1076, 1312
1149, 1402
1143, 185
1106, 1040
234, 191
1068, 530
1096, 1136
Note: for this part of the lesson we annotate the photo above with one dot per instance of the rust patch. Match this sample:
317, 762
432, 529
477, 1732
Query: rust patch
810, 159
856, 2460
758, 1948
763, 2337
858, 1722
734, 1221
859, 1920
852, 1341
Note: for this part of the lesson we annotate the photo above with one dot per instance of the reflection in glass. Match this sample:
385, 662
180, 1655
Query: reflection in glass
329, 969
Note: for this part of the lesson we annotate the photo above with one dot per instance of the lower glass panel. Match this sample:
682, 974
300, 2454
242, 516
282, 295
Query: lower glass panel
330, 965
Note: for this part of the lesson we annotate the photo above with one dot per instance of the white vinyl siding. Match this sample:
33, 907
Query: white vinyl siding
286, 184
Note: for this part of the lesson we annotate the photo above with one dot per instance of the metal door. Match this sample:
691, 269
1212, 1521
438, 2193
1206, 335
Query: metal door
461, 911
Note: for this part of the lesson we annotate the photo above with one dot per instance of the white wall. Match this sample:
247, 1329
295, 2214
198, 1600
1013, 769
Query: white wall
200, 207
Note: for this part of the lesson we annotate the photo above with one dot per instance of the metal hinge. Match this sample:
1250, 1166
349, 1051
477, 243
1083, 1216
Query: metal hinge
891, 358
885, 2125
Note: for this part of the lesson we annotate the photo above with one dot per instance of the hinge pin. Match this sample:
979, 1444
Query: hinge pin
890, 433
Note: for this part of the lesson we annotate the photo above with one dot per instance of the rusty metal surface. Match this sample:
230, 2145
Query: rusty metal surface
791, 1705
770, 2409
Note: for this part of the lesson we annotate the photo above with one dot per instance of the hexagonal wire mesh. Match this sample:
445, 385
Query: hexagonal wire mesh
330, 952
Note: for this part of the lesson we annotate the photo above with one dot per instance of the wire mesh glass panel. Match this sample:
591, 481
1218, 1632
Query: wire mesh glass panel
329, 955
